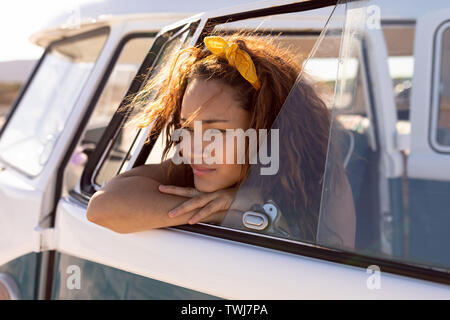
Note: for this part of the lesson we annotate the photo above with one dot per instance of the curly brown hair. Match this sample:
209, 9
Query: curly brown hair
303, 128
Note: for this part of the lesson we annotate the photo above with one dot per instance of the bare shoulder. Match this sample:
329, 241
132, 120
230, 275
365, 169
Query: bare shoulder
165, 172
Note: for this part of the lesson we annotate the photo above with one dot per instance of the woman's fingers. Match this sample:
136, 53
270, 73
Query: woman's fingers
206, 211
191, 204
179, 191
207, 203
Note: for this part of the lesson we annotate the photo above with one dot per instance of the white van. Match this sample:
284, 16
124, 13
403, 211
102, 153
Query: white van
385, 63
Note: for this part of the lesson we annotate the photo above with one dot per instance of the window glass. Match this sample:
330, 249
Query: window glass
397, 217
319, 57
282, 198
34, 128
131, 56
119, 155
400, 46
443, 130
299, 32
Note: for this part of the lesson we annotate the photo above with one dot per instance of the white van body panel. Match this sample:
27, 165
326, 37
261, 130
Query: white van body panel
226, 269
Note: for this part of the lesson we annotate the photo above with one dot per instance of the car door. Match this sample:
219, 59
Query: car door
231, 261
32, 144
429, 158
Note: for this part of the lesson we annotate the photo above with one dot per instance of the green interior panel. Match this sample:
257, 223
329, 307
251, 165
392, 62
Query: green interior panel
102, 282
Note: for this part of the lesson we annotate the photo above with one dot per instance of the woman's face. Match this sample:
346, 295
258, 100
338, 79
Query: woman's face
219, 110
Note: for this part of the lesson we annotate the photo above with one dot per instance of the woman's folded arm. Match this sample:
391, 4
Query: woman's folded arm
132, 202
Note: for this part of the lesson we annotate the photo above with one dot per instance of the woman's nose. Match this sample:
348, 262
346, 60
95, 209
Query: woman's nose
197, 147
201, 153
196, 154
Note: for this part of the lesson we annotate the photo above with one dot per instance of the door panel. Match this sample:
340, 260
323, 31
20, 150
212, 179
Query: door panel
20, 214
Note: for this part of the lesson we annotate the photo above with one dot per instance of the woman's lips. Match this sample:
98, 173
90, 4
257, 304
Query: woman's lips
201, 170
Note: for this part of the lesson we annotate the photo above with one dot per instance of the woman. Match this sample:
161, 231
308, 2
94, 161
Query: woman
233, 82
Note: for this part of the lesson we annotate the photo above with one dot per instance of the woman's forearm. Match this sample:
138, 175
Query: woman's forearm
134, 203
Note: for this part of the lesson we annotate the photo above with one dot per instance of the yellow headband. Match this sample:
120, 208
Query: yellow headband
236, 57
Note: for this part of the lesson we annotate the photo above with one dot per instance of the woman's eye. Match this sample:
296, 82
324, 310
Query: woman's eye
218, 131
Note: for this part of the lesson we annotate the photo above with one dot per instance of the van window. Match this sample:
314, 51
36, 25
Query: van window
30, 135
132, 54
443, 123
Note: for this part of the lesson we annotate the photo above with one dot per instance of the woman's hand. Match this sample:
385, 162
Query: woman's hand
208, 203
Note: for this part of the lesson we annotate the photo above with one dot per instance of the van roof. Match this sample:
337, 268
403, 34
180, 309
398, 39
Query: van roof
89, 14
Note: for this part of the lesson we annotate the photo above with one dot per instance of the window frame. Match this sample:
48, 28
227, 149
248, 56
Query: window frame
435, 96
356, 259
105, 30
